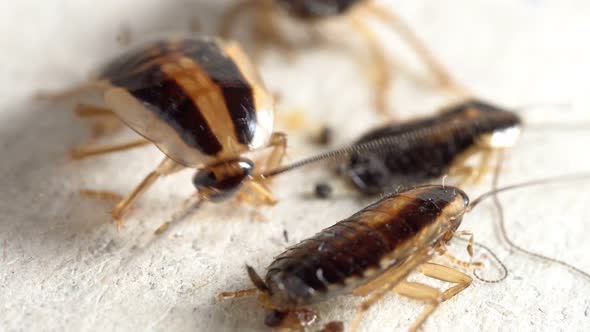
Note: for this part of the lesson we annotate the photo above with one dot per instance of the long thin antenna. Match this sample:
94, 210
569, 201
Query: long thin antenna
341, 153
502, 221
556, 179
504, 274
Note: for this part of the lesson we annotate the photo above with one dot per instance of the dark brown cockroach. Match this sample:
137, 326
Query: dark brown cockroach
201, 102
372, 253
314, 12
426, 149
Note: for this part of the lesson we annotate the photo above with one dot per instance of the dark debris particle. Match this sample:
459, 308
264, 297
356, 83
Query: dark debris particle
325, 136
323, 190
286, 235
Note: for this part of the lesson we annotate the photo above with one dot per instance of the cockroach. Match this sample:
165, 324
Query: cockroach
428, 148
201, 102
314, 12
372, 252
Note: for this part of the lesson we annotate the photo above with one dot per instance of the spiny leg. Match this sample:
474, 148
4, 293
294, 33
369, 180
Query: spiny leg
166, 167
380, 69
86, 151
444, 79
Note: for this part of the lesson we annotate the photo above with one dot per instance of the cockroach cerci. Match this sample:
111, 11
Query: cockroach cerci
313, 12
372, 253
425, 149
201, 102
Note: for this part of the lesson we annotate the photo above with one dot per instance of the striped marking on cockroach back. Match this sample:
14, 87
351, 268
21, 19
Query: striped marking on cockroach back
359, 248
196, 88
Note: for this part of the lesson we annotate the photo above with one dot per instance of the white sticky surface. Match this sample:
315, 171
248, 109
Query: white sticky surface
63, 266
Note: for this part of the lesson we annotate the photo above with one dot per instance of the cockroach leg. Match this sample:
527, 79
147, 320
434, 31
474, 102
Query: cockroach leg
238, 294
166, 167
472, 174
455, 261
421, 292
380, 71
267, 31
230, 17
104, 119
86, 151
103, 195
443, 77
256, 192
92, 111
68, 93
278, 142
445, 273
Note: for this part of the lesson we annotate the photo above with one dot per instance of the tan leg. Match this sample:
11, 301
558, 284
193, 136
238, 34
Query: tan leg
91, 111
103, 195
255, 191
104, 120
444, 79
422, 292
166, 167
445, 273
408, 289
90, 151
267, 32
238, 294
472, 175
278, 142
230, 17
380, 69
455, 261
71, 92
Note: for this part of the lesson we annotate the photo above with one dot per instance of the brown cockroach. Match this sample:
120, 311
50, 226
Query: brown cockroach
372, 252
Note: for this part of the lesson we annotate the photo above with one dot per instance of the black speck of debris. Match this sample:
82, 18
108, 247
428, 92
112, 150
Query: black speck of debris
286, 235
323, 190
325, 136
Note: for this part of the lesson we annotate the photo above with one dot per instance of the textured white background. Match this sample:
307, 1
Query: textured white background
63, 266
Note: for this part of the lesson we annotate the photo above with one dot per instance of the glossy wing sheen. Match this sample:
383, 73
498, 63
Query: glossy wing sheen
196, 99
378, 238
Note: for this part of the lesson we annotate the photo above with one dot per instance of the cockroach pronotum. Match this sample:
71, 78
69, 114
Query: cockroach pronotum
372, 253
